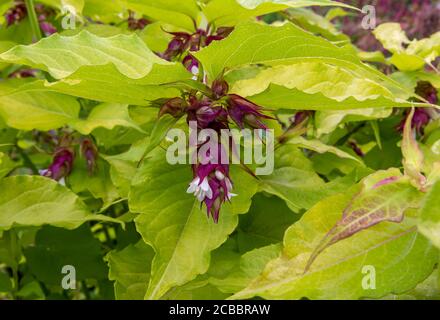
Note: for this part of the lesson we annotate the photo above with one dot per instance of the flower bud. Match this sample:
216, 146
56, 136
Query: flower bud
175, 107
219, 88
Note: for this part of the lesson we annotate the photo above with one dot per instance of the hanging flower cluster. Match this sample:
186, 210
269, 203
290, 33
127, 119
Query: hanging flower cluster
211, 182
64, 157
182, 43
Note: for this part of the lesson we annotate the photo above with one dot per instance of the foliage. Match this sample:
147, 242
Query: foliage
91, 91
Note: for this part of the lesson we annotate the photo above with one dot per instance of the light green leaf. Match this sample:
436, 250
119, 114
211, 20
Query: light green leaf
321, 83
254, 43
251, 264
61, 55
295, 181
391, 36
385, 196
318, 146
105, 83
176, 12
407, 55
106, 115
280, 97
429, 224
173, 223
400, 257
26, 108
37, 201
317, 24
326, 121
78, 5
130, 270
232, 12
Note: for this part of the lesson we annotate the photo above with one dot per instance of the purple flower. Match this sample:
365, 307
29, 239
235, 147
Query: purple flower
136, 24
219, 88
419, 121
61, 165
90, 153
47, 28
245, 112
212, 185
175, 107
221, 33
427, 91
207, 114
422, 116
24, 73
191, 64
16, 14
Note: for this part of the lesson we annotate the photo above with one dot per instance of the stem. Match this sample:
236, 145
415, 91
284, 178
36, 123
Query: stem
27, 161
33, 19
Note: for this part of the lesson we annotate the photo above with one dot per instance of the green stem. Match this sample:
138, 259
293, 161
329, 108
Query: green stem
33, 19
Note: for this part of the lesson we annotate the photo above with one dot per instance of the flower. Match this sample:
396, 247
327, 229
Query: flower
422, 116
61, 165
90, 153
15, 14
136, 24
207, 114
175, 107
47, 28
420, 119
219, 88
191, 64
245, 112
212, 185
426, 90
221, 33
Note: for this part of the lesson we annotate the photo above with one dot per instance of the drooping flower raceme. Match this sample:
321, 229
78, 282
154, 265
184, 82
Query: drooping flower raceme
212, 184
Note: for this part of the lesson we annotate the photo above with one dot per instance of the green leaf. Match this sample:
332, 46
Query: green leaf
174, 224
391, 36
61, 55
265, 223
385, 196
317, 24
429, 223
5, 282
37, 201
106, 83
251, 264
295, 181
179, 13
232, 12
318, 146
326, 121
27, 108
159, 132
400, 257
55, 248
315, 85
407, 55
254, 43
130, 270
105, 115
